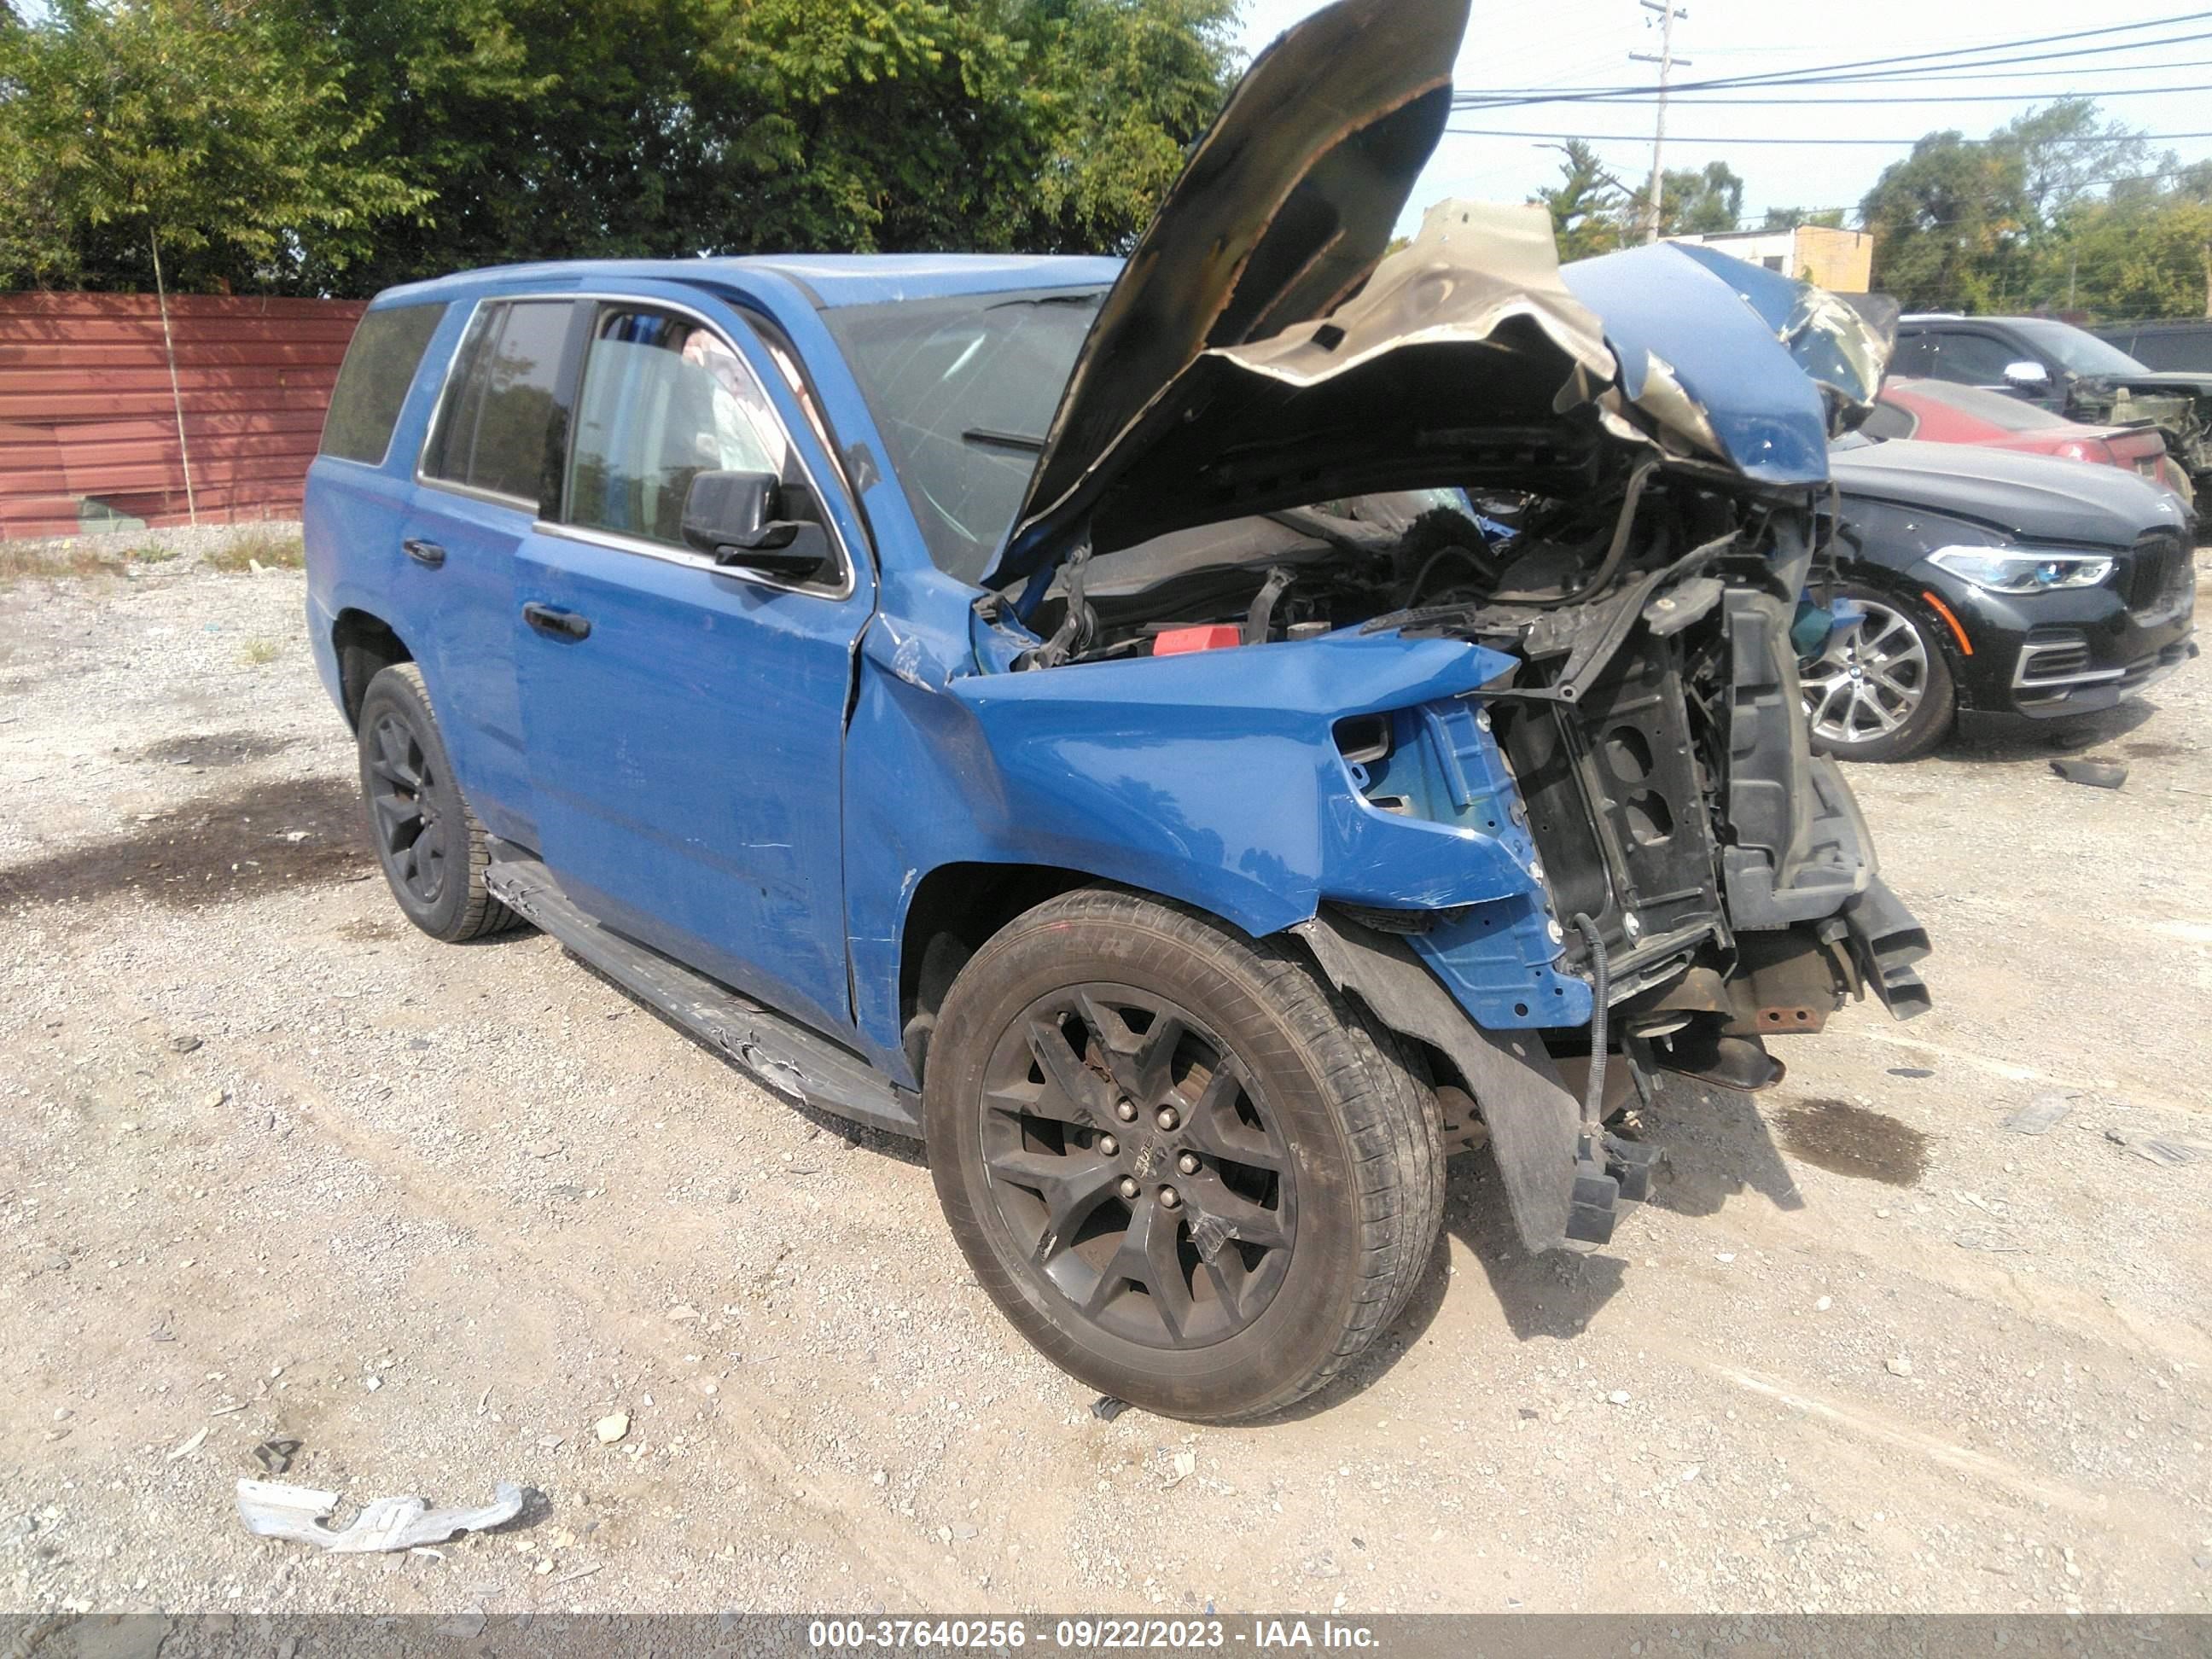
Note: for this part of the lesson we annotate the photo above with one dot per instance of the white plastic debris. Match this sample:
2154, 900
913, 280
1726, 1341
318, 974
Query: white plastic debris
273, 1510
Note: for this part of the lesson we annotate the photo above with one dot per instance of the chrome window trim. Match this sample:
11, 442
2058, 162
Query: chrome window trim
616, 542
848, 581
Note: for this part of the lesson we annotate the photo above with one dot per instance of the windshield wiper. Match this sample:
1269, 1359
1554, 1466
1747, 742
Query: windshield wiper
984, 436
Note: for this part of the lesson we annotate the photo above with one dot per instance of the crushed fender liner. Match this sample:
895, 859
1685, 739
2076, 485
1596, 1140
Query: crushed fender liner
1532, 1118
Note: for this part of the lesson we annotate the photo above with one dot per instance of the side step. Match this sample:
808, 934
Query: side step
785, 1056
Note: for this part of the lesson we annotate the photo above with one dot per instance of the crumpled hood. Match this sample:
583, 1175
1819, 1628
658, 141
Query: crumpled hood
1259, 351
2035, 498
1776, 365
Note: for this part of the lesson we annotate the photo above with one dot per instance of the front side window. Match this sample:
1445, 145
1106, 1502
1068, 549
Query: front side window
664, 399
1973, 359
379, 366
498, 432
2077, 350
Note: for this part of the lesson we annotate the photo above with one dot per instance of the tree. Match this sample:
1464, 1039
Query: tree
1691, 201
1946, 221
2065, 154
669, 128
1790, 218
426, 136
211, 130
1585, 204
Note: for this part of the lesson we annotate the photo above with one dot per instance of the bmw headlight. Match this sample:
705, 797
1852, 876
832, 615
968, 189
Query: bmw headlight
2022, 570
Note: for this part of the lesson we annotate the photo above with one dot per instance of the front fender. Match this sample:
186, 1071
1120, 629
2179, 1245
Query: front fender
1213, 779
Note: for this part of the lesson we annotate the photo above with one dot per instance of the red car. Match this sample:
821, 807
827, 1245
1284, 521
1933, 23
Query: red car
1944, 412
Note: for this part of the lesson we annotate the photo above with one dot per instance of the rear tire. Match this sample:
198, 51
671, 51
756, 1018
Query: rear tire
1882, 689
433, 850
1241, 1236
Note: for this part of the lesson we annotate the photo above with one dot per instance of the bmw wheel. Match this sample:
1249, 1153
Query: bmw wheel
1192, 1174
1880, 690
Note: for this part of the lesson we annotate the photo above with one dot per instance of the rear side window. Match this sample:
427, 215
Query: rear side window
379, 366
496, 433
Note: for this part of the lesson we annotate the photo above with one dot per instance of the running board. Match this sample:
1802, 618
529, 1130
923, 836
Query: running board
781, 1053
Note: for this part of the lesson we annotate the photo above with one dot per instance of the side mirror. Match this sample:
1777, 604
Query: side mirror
752, 521
2026, 375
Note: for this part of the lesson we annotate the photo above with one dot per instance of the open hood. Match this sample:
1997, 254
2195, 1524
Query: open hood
1259, 352
1284, 208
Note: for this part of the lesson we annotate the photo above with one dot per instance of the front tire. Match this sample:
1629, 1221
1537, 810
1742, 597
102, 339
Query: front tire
433, 850
1880, 689
1193, 1176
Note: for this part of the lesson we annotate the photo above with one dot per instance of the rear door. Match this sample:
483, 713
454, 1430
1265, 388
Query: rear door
485, 472
685, 722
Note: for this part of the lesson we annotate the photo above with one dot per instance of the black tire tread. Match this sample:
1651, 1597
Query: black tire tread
1390, 1118
481, 916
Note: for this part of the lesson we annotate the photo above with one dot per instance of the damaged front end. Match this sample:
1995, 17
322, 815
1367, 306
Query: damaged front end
1596, 845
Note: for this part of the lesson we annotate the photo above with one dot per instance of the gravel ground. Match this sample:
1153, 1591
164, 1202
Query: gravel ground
274, 1166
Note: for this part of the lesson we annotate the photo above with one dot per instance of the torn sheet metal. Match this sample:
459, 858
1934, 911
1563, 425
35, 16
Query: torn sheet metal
271, 1509
1284, 208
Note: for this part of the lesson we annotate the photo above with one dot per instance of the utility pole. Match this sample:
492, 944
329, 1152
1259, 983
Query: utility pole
1668, 11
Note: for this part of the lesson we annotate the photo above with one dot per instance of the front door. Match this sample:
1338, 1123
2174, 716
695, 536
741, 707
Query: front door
683, 721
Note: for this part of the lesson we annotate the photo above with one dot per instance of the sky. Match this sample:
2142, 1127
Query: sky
1586, 43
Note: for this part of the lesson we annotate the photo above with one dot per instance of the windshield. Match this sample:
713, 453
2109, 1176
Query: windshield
2081, 353
962, 389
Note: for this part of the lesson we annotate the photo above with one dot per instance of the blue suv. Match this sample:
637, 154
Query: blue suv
1194, 741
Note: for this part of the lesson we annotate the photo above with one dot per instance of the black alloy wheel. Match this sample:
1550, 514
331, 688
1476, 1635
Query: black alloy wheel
1134, 1168
1191, 1174
433, 850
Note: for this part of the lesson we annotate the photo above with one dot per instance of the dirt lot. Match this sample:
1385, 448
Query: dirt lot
273, 1165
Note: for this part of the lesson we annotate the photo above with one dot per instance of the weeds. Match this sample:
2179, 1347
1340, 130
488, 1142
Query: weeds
260, 653
18, 560
272, 549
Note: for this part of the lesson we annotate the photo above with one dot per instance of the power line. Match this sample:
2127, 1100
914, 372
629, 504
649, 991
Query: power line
1922, 98
1638, 138
1881, 69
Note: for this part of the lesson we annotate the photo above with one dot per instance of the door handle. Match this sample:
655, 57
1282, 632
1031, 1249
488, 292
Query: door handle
551, 620
423, 552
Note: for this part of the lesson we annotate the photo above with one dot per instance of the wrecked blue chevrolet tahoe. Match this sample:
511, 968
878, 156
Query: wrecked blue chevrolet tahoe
1196, 740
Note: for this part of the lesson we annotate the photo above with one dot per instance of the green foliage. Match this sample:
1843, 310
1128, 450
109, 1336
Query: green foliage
1691, 201
2059, 210
1788, 218
214, 126
339, 146
1586, 204
1947, 223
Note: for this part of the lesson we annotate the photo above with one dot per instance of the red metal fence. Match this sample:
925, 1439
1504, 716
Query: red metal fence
89, 422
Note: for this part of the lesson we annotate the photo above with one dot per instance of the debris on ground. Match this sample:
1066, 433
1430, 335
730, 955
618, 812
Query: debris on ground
1899, 1366
2041, 1114
189, 1446
1996, 1239
612, 1427
1106, 1408
272, 1509
1185, 1464
2098, 774
2160, 1150
276, 1455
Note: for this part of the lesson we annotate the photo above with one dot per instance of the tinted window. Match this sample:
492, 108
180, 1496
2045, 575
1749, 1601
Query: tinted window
1888, 419
496, 432
1914, 355
379, 366
664, 400
1975, 359
962, 390
2076, 349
